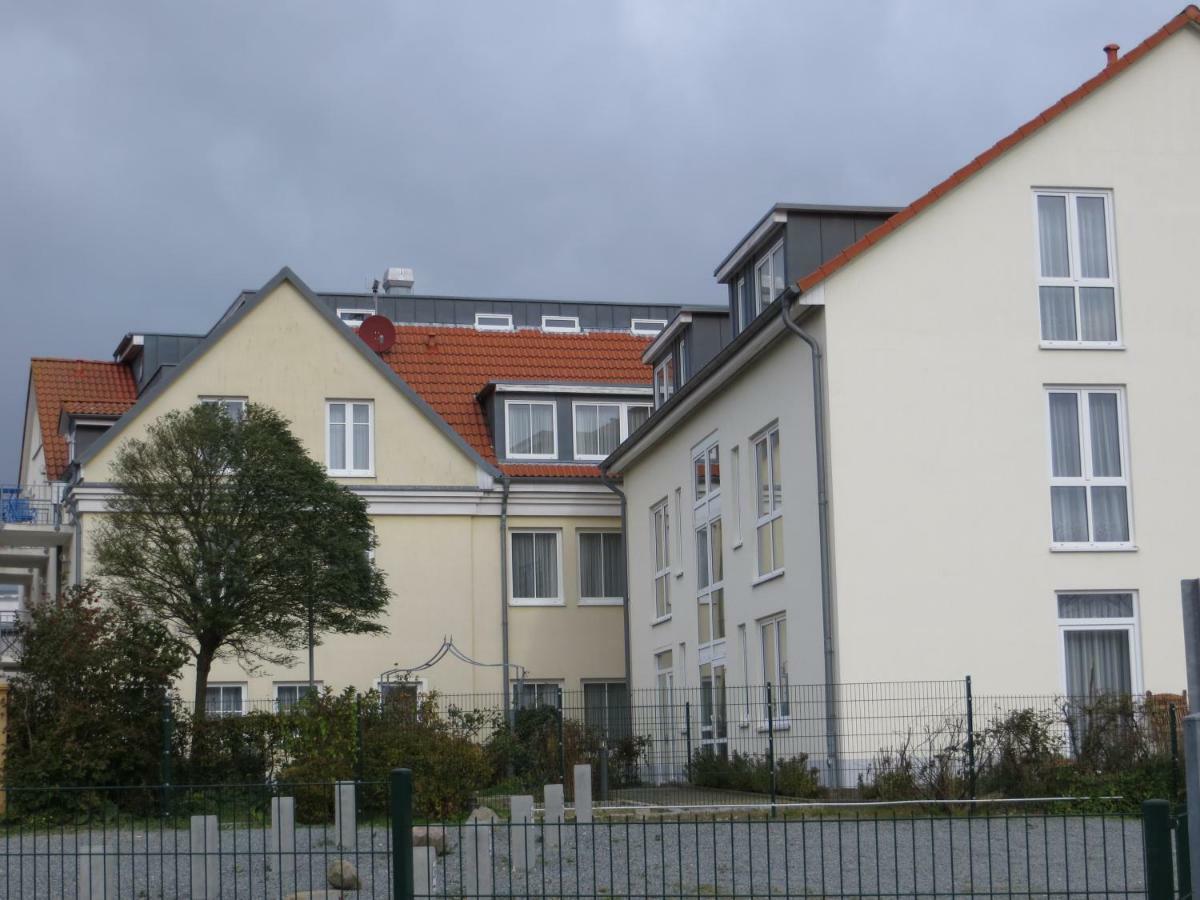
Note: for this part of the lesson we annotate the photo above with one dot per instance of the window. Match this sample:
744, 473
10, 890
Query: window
1077, 288
735, 481
714, 729
560, 323
288, 694
606, 709
681, 350
743, 304
660, 527
769, 276
664, 381
399, 694
355, 317
493, 322
532, 694
234, 407
710, 566
532, 429
647, 327
535, 566
600, 427
1089, 482
774, 655
768, 497
1099, 644
351, 437
662, 750
225, 699
601, 569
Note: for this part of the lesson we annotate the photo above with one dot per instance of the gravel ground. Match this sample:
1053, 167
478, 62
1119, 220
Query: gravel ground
1063, 856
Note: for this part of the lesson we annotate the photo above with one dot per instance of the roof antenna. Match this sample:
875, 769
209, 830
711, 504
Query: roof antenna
375, 294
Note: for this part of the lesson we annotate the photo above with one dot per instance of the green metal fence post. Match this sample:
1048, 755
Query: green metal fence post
1173, 721
1183, 864
562, 744
971, 778
358, 756
402, 835
164, 762
771, 742
1160, 870
687, 736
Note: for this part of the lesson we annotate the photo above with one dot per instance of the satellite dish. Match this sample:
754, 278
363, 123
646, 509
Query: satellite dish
378, 332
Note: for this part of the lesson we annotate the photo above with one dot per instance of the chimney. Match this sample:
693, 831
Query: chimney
1110, 50
398, 281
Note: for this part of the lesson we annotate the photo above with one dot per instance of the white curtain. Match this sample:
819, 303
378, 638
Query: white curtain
362, 436
337, 436
1095, 606
614, 572
546, 565
1069, 513
1064, 435
1052, 236
520, 436
1106, 435
542, 417
592, 568
1098, 313
1058, 313
522, 566
1110, 514
1093, 238
1098, 662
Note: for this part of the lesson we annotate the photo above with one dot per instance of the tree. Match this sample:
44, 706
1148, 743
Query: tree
87, 702
227, 530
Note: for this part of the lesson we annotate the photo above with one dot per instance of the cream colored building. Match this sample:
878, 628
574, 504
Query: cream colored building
474, 443
1009, 416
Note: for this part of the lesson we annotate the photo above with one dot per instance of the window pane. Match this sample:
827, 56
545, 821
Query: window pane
519, 433
702, 558
1093, 238
784, 702
765, 539
776, 469
337, 413
542, 416
1098, 662
714, 469
522, 565
337, 447
704, 620
715, 552
1069, 513
591, 565
1052, 236
777, 268
1058, 313
1064, 435
761, 476
614, 570
746, 302
777, 542
1110, 512
546, 565
768, 652
701, 484
1095, 606
661, 603
1106, 435
718, 614
660, 542
609, 428
762, 274
587, 438
1098, 313
637, 416
362, 436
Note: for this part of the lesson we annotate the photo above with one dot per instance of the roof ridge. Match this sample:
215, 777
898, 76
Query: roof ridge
1189, 15
69, 359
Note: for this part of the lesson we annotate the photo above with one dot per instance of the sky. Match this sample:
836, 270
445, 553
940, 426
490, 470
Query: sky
157, 158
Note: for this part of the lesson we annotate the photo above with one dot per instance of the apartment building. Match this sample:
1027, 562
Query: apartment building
954, 438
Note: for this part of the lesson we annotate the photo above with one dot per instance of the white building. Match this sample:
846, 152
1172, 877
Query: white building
1009, 410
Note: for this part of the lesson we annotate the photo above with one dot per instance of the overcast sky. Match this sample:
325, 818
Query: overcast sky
156, 158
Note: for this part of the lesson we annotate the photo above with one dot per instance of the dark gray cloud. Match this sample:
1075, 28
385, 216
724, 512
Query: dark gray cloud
155, 158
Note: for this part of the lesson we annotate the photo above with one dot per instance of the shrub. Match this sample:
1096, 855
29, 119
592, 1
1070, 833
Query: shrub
794, 777
934, 771
1021, 755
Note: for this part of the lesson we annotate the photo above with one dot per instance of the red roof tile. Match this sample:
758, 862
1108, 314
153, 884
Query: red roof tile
79, 386
1190, 15
448, 367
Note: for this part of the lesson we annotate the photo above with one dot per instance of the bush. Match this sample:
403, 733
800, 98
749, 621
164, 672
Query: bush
794, 777
1020, 755
935, 771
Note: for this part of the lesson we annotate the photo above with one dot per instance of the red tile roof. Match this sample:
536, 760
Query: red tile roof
78, 386
448, 367
1190, 15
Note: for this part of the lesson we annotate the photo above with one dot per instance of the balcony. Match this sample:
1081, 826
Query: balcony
32, 505
10, 647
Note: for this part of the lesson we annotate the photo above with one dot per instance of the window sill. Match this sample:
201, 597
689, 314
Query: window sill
341, 473
1093, 548
516, 602
600, 601
660, 620
1081, 345
770, 576
781, 725
548, 457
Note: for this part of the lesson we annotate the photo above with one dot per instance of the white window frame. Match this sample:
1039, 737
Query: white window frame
242, 706
782, 706
483, 323
766, 263
706, 510
557, 599
508, 405
349, 471
775, 510
223, 403
1087, 480
741, 307
584, 600
563, 324
735, 490
275, 686
661, 511
353, 314
664, 381
647, 327
1130, 625
1074, 280
556, 683
623, 408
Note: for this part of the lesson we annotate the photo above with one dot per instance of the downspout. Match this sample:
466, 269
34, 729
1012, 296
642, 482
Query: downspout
611, 485
831, 716
505, 484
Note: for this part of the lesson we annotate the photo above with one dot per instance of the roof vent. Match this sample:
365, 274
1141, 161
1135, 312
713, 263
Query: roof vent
398, 281
1111, 51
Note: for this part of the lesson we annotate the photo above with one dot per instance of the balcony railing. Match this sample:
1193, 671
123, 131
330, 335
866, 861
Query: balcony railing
10, 647
32, 504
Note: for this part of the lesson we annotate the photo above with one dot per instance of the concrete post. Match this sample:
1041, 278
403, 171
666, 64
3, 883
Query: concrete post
479, 852
281, 838
206, 860
520, 819
1191, 724
424, 871
583, 794
345, 815
95, 877
553, 813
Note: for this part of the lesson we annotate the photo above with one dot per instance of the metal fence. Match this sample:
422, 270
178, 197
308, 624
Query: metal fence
33, 504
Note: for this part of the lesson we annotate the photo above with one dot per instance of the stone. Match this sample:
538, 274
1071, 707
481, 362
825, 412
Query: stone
431, 836
316, 895
343, 875
483, 815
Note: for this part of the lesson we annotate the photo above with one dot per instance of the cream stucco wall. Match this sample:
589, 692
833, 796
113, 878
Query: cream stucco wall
939, 444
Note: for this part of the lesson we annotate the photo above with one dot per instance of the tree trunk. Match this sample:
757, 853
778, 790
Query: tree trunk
204, 661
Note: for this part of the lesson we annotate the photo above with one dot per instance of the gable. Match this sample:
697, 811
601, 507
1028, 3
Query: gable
283, 350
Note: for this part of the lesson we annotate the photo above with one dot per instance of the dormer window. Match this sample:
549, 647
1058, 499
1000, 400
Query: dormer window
565, 324
664, 381
234, 407
354, 317
493, 322
531, 428
769, 276
647, 327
